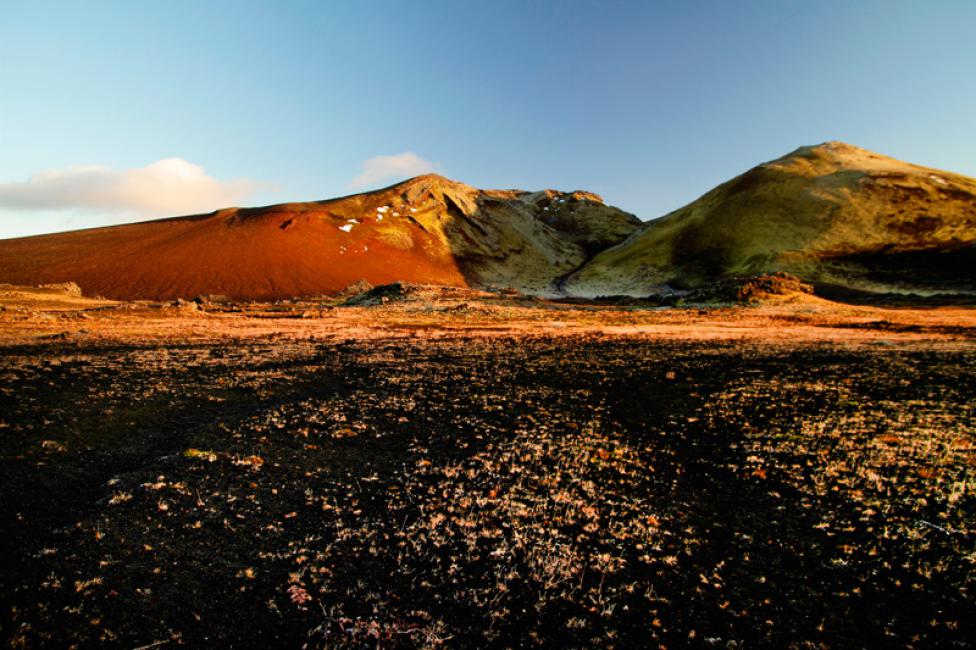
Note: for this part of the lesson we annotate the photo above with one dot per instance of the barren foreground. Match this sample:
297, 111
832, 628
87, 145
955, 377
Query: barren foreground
485, 472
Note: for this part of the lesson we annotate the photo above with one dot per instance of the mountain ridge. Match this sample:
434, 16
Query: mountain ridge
832, 214
427, 229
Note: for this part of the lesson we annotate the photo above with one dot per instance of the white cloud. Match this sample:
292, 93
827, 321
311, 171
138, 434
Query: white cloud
385, 168
171, 186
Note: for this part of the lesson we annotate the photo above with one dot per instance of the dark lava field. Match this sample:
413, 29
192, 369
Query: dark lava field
559, 491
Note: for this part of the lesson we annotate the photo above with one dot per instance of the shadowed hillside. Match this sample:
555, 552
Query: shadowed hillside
428, 230
836, 215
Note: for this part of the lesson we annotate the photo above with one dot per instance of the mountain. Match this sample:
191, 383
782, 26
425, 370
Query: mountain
848, 221
838, 216
426, 230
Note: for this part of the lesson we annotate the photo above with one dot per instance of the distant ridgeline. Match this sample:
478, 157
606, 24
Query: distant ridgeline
846, 220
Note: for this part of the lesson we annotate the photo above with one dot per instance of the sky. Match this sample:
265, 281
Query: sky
123, 111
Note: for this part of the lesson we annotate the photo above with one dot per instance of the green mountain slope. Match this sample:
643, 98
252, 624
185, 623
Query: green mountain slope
833, 214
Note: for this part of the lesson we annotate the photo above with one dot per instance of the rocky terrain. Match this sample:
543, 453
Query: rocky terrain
403, 419
765, 308
459, 468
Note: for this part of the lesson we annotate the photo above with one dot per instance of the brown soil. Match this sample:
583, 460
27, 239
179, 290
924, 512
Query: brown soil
462, 469
30, 316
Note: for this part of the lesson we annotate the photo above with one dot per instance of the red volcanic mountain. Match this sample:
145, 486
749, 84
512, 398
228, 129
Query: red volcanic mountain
427, 230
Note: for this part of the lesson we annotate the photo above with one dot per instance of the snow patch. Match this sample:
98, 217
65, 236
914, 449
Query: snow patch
938, 179
346, 228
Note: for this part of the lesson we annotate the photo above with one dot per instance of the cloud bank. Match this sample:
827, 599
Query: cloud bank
386, 168
166, 187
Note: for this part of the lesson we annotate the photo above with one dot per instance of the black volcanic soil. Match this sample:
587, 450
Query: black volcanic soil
571, 491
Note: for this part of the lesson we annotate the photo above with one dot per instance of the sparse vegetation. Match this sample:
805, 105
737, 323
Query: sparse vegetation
554, 489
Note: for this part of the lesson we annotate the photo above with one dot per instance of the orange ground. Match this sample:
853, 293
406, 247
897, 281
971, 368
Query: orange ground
290, 250
30, 318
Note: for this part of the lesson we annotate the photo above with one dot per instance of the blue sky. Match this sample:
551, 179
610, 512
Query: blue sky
116, 111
